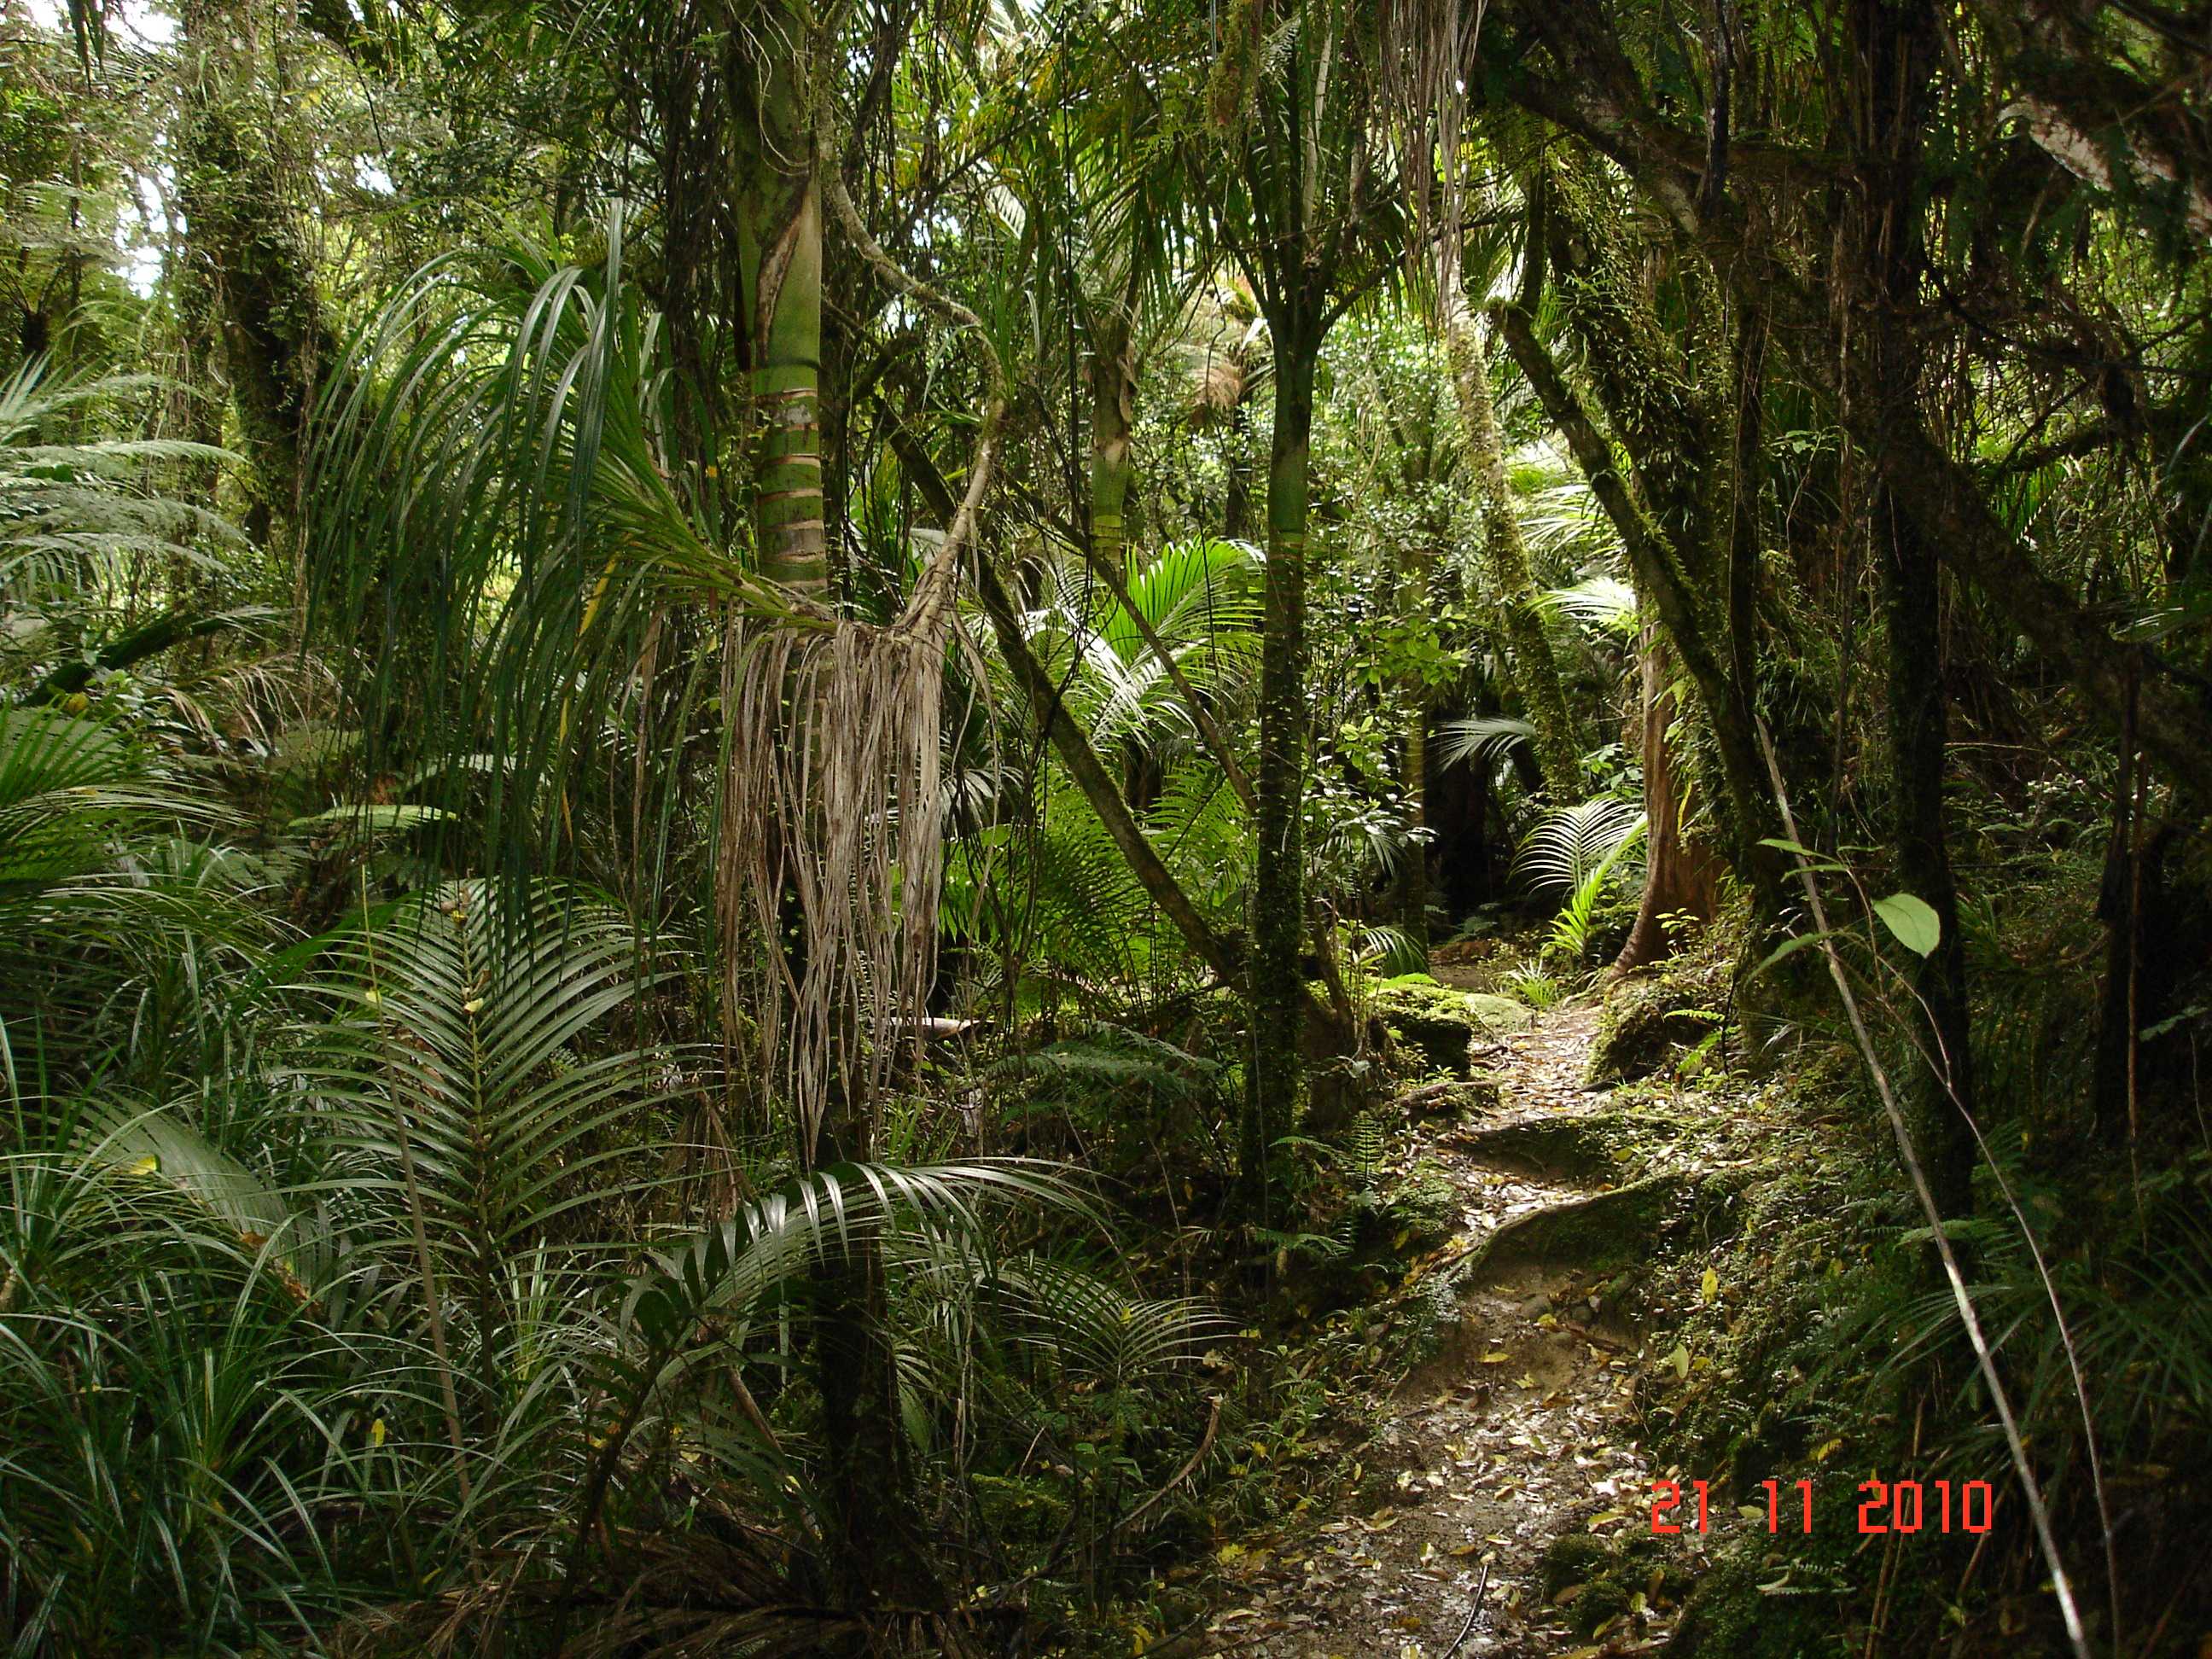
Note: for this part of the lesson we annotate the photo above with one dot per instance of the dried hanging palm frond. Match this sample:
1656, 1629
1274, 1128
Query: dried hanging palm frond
830, 831
831, 845
831, 850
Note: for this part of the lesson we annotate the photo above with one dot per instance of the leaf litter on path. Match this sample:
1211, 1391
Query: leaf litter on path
1516, 1433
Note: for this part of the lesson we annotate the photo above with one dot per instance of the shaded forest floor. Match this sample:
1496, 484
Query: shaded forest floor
1519, 1431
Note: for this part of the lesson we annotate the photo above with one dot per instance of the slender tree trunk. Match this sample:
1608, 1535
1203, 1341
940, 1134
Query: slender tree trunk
1917, 744
1414, 911
1278, 988
1529, 662
1237, 503
876, 1555
1897, 45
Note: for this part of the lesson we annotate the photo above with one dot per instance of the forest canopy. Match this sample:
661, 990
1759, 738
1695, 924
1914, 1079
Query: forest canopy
1105, 826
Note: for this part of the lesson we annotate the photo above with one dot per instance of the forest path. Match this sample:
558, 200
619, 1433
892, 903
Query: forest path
1516, 1432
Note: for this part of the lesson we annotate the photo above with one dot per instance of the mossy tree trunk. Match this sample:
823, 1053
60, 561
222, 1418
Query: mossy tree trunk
1531, 664
1413, 896
1113, 408
246, 256
1302, 165
1279, 900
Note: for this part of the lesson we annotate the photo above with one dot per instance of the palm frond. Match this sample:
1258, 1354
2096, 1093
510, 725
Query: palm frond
1569, 842
452, 1070
1483, 739
77, 513
1604, 604
494, 487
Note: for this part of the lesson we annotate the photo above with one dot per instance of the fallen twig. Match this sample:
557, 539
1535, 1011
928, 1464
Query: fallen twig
1460, 1640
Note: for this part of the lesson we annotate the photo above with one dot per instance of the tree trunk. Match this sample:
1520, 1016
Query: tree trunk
244, 250
876, 1556
780, 239
1413, 602
1679, 872
1529, 662
1236, 501
1414, 911
1896, 53
1113, 395
1278, 987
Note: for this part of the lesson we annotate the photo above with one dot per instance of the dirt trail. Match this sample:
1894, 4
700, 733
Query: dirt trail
1516, 1433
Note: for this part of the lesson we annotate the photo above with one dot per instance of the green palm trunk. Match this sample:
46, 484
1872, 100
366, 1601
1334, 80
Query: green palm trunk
869, 1478
787, 511
780, 224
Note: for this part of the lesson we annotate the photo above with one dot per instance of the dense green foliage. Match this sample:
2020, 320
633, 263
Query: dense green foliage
732, 737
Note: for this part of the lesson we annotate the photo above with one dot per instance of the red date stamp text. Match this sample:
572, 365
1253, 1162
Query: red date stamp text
1901, 1506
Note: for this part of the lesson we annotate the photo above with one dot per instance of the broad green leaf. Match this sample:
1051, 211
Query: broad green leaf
1912, 921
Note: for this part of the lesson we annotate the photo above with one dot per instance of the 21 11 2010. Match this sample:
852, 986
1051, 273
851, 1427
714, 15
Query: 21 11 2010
1904, 1506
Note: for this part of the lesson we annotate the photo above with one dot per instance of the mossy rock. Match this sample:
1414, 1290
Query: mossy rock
1577, 1148
1601, 1580
1573, 1557
1648, 1019
1727, 1615
1613, 1230
1442, 1024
